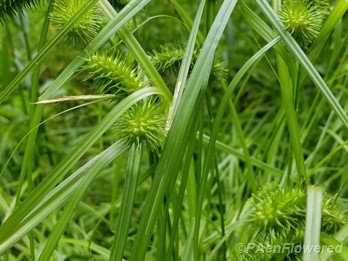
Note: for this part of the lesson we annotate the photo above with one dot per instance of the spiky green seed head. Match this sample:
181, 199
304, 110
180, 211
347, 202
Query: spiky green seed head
169, 57
144, 123
113, 74
85, 29
303, 18
276, 208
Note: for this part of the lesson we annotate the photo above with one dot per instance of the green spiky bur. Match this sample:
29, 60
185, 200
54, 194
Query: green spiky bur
144, 123
303, 18
279, 215
169, 57
113, 74
9, 8
85, 29
276, 209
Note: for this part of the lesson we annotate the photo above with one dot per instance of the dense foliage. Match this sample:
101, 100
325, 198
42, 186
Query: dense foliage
173, 130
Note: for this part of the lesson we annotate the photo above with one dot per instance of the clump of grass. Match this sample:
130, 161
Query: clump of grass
266, 247
130, 190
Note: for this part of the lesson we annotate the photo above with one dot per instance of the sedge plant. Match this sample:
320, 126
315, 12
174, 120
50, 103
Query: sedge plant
173, 130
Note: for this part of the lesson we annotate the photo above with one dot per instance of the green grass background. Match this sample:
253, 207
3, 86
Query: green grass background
69, 190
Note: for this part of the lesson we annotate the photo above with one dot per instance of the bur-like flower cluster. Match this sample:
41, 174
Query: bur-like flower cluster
113, 74
85, 29
278, 215
276, 208
303, 18
169, 57
143, 124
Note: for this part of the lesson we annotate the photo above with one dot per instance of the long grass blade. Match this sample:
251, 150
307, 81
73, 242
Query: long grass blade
303, 59
62, 169
132, 176
178, 136
76, 184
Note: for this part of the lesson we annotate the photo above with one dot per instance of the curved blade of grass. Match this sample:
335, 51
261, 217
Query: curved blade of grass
236, 153
335, 15
100, 162
34, 95
76, 184
263, 30
228, 93
286, 87
131, 182
62, 169
43, 122
170, 161
185, 65
47, 49
303, 59
102, 251
180, 197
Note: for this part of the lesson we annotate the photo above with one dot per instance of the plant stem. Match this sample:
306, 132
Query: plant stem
123, 222
288, 104
313, 224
